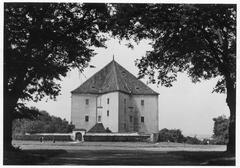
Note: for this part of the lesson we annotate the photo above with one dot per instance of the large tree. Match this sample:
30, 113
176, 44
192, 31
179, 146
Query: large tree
195, 38
42, 42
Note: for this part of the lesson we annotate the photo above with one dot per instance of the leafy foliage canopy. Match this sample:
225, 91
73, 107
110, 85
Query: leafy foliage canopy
220, 130
43, 41
196, 38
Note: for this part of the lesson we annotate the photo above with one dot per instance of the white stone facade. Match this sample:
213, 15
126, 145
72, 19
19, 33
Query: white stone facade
117, 111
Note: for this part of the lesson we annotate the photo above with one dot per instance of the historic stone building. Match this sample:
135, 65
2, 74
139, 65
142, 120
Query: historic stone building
113, 98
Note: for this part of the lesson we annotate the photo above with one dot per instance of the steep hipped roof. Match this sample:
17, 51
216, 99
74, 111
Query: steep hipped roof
113, 77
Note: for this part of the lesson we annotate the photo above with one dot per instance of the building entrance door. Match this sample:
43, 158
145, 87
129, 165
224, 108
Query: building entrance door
78, 136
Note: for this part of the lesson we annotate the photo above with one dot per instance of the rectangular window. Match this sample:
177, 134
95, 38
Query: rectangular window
99, 118
125, 110
125, 126
86, 118
87, 101
142, 102
130, 118
108, 113
107, 100
142, 119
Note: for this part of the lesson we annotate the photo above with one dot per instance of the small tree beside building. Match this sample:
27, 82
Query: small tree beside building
220, 130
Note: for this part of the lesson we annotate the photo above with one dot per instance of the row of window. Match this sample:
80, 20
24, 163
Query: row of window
87, 118
87, 101
142, 102
108, 101
131, 119
100, 118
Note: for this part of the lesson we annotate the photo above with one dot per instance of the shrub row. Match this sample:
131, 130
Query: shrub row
45, 137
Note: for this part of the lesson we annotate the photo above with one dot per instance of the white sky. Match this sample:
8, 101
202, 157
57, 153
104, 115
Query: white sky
186, 106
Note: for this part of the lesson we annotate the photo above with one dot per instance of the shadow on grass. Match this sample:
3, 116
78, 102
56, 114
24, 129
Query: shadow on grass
29, 157
207, 157
118, 157
130, 157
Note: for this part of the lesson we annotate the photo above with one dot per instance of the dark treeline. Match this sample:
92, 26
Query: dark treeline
43, 123
175, 135
220, 134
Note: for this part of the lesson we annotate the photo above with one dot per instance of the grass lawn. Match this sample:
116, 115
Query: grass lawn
117, 153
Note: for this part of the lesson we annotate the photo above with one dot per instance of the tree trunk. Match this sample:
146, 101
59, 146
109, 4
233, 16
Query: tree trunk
7, 125
10, 103
231, 102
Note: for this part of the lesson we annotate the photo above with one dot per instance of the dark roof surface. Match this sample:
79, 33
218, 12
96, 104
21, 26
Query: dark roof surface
113, 77
98, 128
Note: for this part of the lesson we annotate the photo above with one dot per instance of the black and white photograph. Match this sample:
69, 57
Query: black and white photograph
119, 83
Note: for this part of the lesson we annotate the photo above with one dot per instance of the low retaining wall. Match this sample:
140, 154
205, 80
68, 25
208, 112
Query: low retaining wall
124, 137
111, 138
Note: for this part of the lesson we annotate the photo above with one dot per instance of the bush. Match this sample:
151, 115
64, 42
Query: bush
220, 130
174, 135
208, 142
192, 140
